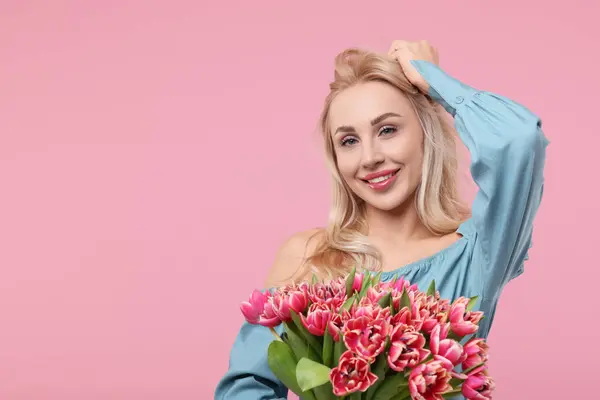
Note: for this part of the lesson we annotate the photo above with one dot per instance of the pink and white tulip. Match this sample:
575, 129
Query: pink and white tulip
258, 310
366, 336
406, 348
332, 294
317, 318
429, 381
290, 298
352, 374
358, 282
476, 353
478, 386
444, 347
336, 324
463, 322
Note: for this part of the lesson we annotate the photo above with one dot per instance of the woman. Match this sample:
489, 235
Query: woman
395, 204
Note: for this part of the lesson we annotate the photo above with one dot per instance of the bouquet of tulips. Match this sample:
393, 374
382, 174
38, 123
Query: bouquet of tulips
360, 338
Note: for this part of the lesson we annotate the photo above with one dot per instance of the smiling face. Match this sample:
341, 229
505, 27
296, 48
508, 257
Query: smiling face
378, 143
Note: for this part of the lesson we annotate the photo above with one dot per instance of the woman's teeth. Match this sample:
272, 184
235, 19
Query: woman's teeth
381, 178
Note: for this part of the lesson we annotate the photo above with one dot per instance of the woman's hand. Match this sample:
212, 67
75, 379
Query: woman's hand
404, 51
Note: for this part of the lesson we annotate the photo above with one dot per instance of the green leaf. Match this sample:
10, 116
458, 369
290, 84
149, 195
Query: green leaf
466, 371
315, 279
472, 302
385, 300
366, 284
379, 368
456, 382
353, 396
377, 278
282, 362
403, 395
350, 282
327, 348
339, 348
454, 336
391, 386
452, 394
367, 278
405, 300
304, 333
348, 303
298, 343
325, 392
431, 288
310, 374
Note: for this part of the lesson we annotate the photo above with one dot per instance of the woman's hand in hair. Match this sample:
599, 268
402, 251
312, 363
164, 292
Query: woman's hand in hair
404, 51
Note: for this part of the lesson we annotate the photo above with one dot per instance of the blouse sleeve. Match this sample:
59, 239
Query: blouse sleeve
508, 150
249, 375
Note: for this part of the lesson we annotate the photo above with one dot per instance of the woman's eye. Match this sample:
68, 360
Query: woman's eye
386, 130
348, 141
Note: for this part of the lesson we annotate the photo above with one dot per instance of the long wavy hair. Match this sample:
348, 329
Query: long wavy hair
343, 243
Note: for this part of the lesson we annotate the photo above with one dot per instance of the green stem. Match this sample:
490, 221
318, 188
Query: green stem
451, 393
474, 367
274, 332
455, 391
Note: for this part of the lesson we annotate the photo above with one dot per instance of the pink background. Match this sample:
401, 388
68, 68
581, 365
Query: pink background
154, 154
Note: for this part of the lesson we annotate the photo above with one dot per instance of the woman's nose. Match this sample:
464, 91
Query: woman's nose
372, 156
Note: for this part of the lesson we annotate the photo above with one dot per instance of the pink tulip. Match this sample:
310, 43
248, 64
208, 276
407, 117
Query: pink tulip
259, 309
317, 318
429, 323
429, 381
373, 311
332, 294
408, 317
290, 298
406, 348
416, 300
358, 282
475, 352
352, 374
365, 336
478, 386
449, 349
397, 297
402, 284
374, 294
463, 322
433, 312
336, 323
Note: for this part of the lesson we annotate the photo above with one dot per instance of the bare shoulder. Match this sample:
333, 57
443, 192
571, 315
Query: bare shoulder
291, 255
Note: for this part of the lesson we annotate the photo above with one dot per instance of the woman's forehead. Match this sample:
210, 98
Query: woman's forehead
362, 103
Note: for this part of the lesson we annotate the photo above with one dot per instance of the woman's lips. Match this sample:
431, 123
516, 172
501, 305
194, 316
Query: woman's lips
380, 181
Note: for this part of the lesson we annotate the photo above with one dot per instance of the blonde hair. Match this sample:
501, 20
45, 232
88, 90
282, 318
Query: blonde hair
344, 244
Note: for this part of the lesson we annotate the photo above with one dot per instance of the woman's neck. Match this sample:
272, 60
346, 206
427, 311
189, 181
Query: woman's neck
401, 225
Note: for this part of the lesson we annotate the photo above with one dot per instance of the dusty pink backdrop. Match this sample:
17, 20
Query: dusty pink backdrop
154, 154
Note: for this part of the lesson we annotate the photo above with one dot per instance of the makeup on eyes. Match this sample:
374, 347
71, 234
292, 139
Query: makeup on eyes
345, 141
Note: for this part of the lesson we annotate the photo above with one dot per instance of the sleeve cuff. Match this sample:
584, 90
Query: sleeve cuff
449, 92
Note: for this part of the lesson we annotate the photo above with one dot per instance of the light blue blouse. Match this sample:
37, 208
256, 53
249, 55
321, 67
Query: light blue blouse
508, 150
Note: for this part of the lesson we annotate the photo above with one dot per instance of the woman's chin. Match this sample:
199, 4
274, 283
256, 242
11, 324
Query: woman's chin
390, 202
